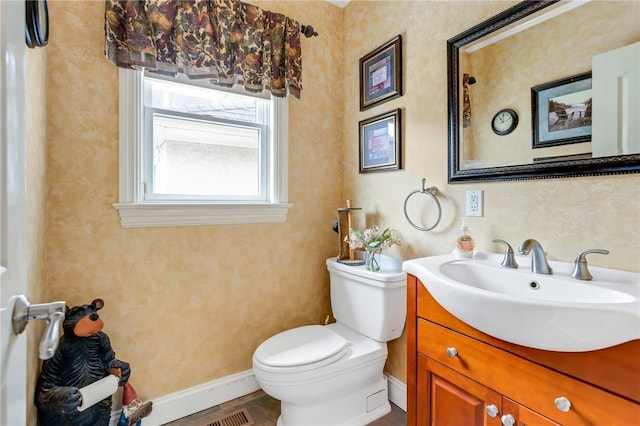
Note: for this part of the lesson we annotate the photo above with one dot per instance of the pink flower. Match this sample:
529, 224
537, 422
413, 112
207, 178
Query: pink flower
373, 239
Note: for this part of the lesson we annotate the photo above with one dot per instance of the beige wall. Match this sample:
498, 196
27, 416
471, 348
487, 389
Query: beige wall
565, 215
188, 305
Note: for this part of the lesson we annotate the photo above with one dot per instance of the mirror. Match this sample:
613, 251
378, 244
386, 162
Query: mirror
520, 93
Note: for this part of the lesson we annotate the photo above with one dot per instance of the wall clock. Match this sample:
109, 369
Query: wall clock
36, 28
504, 122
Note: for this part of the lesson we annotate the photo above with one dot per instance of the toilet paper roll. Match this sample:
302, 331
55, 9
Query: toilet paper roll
97, 391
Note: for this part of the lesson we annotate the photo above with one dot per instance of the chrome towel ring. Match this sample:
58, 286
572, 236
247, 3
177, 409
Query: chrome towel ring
431, 191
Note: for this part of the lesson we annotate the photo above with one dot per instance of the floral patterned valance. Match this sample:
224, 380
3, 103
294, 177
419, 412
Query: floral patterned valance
227, 41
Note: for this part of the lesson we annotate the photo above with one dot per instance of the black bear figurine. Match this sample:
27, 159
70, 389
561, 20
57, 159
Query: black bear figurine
84, 356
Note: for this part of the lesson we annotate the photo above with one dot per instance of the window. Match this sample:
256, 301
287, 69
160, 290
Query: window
194, 154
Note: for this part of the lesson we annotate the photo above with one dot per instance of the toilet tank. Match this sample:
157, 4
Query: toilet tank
371, 303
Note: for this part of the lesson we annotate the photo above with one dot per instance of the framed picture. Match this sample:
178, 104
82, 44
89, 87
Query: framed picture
562, 111
380, 143
381, 74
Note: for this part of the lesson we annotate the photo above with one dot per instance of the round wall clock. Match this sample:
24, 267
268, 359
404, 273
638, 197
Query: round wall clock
36, 28
504, 122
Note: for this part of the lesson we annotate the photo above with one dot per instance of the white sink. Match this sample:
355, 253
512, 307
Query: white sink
551, 312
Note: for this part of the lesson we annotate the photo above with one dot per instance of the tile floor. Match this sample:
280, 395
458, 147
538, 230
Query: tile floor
265, 410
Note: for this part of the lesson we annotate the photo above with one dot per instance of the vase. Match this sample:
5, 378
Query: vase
372, 260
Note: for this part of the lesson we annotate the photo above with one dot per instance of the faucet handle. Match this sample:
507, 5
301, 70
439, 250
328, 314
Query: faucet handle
580, 271
509, 260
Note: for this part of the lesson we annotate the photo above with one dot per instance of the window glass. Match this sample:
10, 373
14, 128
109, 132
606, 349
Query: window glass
192, 99
195, 154
203, 143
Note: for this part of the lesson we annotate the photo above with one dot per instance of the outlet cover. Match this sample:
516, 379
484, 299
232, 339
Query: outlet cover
474, 202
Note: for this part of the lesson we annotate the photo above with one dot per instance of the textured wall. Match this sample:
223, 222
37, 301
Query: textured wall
565, 215
189, 305
186, 305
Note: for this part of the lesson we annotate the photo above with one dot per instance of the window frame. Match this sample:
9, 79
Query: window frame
136, 212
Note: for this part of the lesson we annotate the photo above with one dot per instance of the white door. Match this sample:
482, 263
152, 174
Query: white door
13, 348
616, 102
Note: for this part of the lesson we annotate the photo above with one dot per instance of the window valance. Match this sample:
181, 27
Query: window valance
227, 41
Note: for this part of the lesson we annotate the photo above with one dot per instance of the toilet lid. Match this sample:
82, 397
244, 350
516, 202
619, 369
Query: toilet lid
300, 346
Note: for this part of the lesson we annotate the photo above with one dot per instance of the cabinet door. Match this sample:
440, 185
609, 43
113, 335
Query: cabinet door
448, 398
523, 415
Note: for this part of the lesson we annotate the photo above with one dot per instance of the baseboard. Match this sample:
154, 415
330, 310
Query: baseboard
184, 403
180, 404
397, 392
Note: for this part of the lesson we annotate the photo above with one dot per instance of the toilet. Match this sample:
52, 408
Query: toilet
332, 375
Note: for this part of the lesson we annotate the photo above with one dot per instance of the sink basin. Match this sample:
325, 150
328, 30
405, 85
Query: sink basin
551, 312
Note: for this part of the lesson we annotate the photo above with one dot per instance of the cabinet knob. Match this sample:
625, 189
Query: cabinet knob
563, 404
508, 420
492, 410
451, 352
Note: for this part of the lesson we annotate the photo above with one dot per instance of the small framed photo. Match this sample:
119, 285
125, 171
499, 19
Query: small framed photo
562, 111
381, 74
380, 143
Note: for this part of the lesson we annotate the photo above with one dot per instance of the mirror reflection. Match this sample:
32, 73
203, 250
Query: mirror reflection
562, 84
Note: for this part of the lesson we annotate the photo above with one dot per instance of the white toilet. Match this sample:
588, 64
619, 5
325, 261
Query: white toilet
333, 375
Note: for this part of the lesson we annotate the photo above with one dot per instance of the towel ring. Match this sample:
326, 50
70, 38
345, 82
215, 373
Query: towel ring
431, 191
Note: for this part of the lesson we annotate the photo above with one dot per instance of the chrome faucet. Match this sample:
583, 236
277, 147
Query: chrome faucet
539, 263
580, 271
509, 260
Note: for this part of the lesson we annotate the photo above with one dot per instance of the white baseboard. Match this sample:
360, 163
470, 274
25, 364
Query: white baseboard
181, 404
397, 392
184, 403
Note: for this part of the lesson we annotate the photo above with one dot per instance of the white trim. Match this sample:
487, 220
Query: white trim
141, 215
130, 95
205, 82
339, 3
136, 213
397, 391
14, 253
184, 403
280, 151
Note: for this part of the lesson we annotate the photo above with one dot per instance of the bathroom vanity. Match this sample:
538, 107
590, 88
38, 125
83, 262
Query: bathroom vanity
458, 375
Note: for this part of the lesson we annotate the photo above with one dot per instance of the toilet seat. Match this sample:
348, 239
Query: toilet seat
301, 349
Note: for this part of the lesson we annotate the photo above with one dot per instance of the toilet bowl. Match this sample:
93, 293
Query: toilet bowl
333, 374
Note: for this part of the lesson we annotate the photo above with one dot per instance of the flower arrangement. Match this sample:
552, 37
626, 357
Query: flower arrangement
373, 240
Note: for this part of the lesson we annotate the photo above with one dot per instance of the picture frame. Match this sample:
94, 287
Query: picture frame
381, 74
380, 142
561, 111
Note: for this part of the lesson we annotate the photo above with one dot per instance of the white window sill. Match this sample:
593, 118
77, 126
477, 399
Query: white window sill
135, 215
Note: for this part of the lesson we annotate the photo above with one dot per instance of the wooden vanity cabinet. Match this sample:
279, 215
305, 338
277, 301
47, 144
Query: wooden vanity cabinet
459, 376
451, 398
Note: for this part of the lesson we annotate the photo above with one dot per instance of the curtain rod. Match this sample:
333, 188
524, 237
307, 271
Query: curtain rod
308, 31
